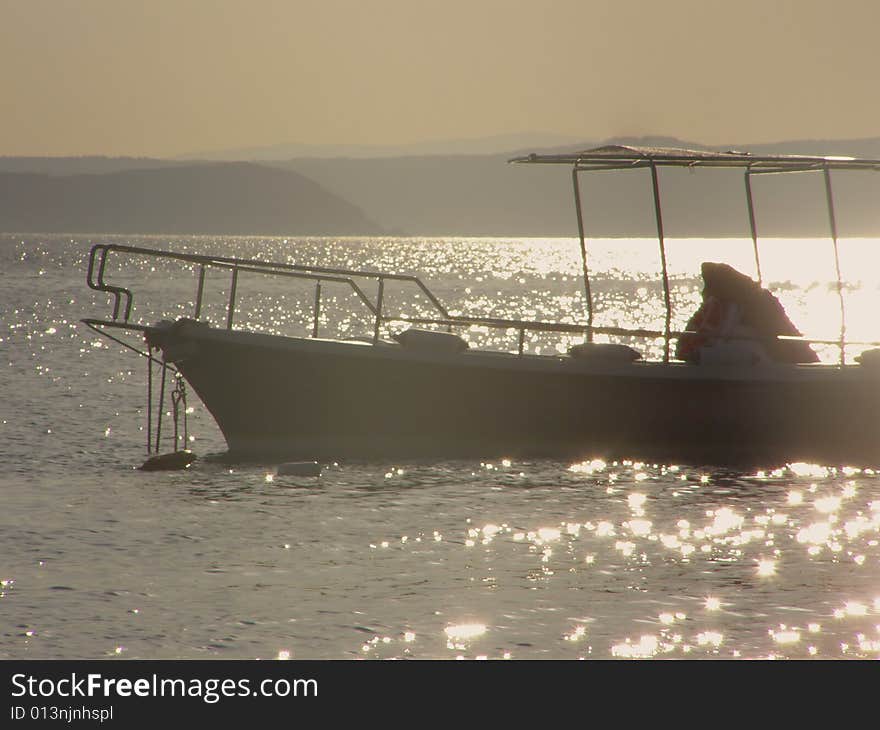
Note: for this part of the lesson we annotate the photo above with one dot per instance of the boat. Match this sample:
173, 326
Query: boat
426, 394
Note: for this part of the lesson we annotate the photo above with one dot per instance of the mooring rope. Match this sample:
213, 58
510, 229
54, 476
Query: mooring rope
165, 367
160, 408
149, 404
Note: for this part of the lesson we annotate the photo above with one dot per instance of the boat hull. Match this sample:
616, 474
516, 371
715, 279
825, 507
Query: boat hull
329, 400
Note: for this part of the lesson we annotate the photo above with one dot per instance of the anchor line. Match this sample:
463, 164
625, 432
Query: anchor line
128, 345
165, 368
149, 403
161, 407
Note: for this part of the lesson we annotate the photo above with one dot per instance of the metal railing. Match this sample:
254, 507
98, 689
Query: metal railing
352, 278
123, 297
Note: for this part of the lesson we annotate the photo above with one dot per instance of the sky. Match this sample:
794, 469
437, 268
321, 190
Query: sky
164, 78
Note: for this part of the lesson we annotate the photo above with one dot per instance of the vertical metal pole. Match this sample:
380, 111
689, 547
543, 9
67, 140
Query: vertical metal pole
752, 225
161, 407
200, 292
317, 308
832, 221
379, 297
580, 223
522, 339
149, 399
231, 309
658, 214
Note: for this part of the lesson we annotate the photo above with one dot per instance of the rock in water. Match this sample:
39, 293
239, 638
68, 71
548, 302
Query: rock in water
169, 462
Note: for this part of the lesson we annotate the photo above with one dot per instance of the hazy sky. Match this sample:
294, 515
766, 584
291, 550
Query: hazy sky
168, 77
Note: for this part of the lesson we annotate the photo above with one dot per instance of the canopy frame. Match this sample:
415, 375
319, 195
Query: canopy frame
623, 157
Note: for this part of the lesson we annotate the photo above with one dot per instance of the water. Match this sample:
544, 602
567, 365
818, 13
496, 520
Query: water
521, 559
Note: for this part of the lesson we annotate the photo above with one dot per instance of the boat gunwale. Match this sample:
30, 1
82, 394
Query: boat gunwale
561, 363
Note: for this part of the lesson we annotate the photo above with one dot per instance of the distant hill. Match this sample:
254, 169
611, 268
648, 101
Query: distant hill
469, 195
84, 165
430, 194
219, 198
482, 195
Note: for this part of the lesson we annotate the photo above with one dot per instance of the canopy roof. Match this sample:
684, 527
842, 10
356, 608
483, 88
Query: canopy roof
622, 157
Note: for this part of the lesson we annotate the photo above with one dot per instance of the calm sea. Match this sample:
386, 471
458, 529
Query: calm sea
501, 558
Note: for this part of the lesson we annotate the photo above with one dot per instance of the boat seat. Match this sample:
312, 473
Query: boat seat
606, 351
869, 358
430, 341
